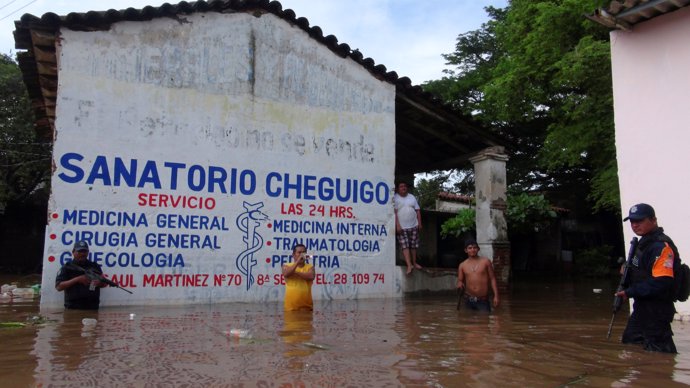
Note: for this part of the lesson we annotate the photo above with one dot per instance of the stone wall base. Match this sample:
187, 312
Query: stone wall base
501, 261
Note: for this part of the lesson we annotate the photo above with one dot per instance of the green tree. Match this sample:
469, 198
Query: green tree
463, 222
525, 213
476, 55
24, 158
426, 190
539, 74
528, 213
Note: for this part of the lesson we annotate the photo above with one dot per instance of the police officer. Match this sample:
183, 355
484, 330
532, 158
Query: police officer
651, 284
81, 293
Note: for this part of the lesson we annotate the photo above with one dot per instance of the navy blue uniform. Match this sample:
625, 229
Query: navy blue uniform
79, 296
652, 288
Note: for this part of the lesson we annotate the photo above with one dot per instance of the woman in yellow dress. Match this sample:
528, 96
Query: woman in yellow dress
298, 279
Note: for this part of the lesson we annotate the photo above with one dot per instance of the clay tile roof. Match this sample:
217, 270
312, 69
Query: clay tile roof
450, 197
423, 122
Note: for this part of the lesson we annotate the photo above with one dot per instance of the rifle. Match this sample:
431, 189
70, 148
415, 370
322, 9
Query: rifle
617, 300
93, 275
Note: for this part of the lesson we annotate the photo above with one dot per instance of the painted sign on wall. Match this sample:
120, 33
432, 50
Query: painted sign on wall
192, 157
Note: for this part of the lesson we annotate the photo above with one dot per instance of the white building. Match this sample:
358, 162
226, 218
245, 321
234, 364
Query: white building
650, 58
195, 144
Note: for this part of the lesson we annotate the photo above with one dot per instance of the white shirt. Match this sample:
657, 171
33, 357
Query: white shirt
406, 208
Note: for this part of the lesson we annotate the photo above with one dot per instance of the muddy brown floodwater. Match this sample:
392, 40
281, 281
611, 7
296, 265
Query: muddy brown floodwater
543, 335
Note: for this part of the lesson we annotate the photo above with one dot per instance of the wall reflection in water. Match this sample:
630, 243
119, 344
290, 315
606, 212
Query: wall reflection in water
541, 336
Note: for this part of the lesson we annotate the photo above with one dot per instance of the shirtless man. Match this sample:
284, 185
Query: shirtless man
474, 275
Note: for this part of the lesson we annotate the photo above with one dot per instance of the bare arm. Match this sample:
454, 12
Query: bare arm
291, 270
419, 219
461, 277
309, 275
492, 279
65, 284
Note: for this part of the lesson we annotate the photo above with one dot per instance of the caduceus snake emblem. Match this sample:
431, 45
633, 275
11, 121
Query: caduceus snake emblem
247, 222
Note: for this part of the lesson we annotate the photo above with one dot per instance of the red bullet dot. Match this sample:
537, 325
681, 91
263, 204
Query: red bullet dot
53, 236
268, 260
268, 243
55, 215
51, 258
269, 225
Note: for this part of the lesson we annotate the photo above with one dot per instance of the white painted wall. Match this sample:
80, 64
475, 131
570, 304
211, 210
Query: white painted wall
651, 84
228, 96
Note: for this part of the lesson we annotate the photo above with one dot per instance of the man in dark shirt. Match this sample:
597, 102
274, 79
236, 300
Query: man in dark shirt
650, 284
81, 293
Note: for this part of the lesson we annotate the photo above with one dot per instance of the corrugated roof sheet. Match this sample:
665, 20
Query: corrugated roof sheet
625, 14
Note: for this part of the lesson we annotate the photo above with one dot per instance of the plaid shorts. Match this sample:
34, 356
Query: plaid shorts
408, 238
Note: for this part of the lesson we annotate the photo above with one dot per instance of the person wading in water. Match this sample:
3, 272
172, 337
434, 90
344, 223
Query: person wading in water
474, 276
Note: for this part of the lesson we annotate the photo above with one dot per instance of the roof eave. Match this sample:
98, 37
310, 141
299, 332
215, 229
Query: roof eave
625, 15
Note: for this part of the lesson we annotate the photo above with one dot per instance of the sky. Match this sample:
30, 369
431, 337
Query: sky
406, 36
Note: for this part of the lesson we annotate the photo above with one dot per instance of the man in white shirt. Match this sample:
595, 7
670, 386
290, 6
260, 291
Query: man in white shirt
408, 223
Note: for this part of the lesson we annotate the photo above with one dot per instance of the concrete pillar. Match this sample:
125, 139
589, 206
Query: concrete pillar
490, 195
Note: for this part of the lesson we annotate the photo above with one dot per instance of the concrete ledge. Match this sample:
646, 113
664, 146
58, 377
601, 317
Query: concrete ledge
428, 279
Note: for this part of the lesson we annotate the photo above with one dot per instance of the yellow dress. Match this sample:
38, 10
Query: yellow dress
298, 291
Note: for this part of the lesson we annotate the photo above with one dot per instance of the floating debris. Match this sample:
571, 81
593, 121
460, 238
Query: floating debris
6, 325
316, 346
34, 320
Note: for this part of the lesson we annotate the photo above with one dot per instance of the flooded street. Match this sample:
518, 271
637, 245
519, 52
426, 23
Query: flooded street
542, 335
